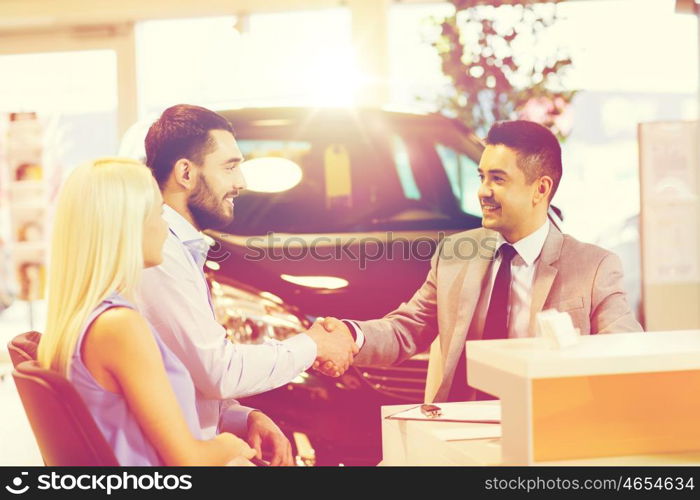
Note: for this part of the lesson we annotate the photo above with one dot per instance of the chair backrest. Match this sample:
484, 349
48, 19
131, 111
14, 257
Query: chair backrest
63, 427
23, 347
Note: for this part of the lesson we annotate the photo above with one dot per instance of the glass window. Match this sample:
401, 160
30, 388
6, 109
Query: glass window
463, 176
414, 65
75, 96
57, 110
272, 166
624, 77
292, 150
289, 58
403, 168
361, 171
327, 195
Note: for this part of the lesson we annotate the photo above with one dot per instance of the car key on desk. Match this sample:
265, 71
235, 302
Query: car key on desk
431, 411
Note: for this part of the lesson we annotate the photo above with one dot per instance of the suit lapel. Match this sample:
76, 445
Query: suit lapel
471, 279
545, 274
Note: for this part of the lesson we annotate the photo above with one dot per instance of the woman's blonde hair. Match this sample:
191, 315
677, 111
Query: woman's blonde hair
96, 248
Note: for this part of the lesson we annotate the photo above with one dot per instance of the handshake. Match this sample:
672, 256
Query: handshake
335, 346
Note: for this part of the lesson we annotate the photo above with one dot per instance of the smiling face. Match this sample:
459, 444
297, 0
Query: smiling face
219, 181
510, 205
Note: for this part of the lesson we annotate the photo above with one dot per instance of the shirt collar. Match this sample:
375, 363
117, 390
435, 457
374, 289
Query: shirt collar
180, 226
529, 247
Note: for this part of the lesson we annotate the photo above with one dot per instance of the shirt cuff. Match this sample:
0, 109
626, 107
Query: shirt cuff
234, 419
303, 350
359, 336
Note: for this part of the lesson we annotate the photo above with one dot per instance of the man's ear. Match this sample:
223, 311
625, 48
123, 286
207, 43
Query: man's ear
184, 173
543, 189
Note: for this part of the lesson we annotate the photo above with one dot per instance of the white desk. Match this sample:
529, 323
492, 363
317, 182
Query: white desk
406, 442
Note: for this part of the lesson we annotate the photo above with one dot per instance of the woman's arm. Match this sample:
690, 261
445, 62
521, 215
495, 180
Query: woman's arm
120, 351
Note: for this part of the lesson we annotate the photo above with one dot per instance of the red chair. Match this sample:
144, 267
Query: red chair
63, 427
23, 347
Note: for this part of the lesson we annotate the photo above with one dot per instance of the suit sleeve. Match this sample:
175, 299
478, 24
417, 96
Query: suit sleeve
407, 330
610, 311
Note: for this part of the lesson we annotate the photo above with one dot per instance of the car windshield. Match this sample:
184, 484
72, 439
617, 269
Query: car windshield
357, 172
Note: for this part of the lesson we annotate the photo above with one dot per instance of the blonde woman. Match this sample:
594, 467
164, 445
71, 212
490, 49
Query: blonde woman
108, 226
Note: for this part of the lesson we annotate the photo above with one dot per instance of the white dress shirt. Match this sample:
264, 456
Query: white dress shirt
174, 297
522, 271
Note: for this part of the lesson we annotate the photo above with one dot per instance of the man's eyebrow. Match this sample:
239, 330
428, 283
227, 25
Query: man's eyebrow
495, 171
237, 159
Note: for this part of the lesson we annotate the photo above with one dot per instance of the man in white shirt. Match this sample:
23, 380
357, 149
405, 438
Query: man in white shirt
194, 157
490, 283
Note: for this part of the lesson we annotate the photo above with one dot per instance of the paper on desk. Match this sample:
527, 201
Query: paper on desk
475, 431
456, 412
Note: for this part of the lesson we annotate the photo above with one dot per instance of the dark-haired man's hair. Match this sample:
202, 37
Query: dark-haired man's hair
182, 131
538, 150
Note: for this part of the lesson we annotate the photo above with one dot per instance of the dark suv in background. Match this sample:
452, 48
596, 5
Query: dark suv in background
368, 195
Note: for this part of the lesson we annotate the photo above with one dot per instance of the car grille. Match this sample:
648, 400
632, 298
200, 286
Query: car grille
405, 382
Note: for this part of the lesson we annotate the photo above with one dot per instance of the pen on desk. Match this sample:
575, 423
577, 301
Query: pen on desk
431, 411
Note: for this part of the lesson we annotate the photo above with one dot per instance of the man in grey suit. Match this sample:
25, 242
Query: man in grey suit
490, 283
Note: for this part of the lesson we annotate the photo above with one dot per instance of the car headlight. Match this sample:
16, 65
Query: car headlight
250, 318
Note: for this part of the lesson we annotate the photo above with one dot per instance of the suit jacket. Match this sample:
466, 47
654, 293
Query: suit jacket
574, 277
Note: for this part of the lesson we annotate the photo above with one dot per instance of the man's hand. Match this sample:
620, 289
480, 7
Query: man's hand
243, 452
263, 434
335, 346
240, 462
333, 325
